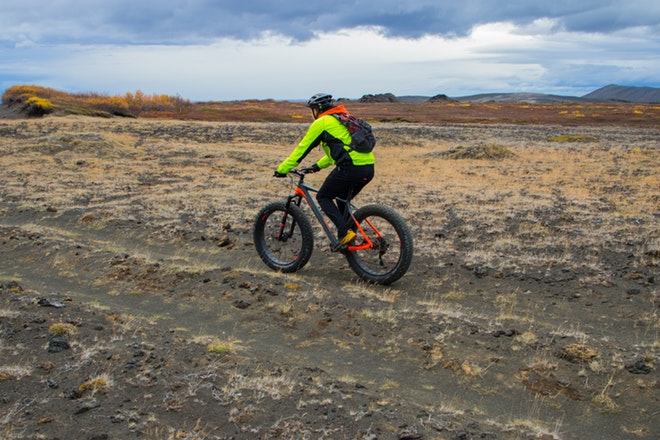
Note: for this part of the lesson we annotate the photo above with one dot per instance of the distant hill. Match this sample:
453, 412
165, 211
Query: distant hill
414, 99
528, 98
610, 93
646, 95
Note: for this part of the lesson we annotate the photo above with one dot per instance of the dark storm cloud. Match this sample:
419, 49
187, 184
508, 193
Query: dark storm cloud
201, 21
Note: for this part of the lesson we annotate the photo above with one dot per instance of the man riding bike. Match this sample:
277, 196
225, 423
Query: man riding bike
353, 169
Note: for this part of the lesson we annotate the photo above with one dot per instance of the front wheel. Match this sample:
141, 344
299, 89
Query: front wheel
283, 236
391, 254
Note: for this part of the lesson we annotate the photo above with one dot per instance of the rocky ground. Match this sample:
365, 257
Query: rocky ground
133, 304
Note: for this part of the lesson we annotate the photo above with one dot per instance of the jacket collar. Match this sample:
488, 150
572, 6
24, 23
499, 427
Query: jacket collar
334, 110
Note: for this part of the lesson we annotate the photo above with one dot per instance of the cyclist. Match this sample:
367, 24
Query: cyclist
353, 170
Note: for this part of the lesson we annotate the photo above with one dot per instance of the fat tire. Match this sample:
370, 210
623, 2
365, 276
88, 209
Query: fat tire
403, 240
268, 248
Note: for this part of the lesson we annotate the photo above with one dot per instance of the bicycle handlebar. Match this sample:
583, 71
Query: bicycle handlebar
302, 172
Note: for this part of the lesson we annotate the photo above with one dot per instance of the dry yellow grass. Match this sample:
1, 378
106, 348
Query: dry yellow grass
551, 245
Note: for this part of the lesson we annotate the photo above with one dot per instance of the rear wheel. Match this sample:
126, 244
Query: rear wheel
390, 257
283, 237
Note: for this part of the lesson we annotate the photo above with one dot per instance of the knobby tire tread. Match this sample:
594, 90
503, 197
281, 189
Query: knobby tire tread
403, 231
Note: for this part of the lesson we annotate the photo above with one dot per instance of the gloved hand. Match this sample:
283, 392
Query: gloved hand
278, 174
313, 169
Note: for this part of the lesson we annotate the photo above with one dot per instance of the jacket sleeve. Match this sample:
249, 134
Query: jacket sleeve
325, 162
331, 135
310, 141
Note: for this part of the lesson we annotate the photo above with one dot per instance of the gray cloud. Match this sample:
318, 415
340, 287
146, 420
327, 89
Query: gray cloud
221, 49
202, 21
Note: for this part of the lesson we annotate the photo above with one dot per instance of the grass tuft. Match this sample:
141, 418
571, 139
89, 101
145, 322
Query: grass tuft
218, 347
573, 138
96, 384
62, 328
488, 152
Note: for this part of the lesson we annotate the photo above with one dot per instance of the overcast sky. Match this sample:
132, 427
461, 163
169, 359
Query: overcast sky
291, 49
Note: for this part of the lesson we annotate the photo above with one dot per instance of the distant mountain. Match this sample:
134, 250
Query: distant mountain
528, 98
611, 93
646, 95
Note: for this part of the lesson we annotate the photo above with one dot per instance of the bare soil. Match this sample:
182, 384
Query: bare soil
133, 305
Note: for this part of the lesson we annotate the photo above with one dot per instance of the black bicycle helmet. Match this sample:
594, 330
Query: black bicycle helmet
321, 101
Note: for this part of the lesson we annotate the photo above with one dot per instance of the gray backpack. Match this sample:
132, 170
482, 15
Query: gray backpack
362, 136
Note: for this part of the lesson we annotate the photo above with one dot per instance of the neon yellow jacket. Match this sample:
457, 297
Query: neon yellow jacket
333, 137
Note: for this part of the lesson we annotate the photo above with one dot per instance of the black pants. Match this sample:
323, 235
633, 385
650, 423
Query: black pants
341, 182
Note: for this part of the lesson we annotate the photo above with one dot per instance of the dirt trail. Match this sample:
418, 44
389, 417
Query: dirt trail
530, 310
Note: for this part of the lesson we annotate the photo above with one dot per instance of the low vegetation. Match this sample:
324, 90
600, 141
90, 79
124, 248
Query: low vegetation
133, 305
39, 101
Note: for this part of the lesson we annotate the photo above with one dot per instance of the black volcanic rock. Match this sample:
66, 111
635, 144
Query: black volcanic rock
381, 97
441, 98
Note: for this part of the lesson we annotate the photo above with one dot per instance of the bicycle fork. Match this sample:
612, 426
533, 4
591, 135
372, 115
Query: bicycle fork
283, 235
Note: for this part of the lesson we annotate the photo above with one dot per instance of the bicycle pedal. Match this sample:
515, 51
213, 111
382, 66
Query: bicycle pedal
340, 247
